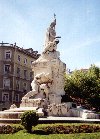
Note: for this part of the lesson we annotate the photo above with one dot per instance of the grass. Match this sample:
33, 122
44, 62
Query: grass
23, 135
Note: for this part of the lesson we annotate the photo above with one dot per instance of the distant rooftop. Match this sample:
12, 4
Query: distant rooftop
29, 51
70, 72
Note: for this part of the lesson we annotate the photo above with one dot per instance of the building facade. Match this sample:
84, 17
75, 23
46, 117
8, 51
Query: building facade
15, 73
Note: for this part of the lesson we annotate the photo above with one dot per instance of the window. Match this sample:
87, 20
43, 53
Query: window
31, 75
7, 68
18, 72
25, 61
17, 98
8, 54
17, 85
6, 83
18, 57
25, 74
24, 86
5, 97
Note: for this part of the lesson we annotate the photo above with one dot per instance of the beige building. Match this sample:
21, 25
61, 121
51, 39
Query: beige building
15, 73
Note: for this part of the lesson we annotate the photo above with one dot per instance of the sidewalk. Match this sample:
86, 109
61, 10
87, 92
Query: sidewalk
52, 119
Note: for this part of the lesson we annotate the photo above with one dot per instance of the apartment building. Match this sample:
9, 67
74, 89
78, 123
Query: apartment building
15, 73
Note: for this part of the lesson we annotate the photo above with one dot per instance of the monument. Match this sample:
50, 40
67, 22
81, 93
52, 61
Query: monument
48, 85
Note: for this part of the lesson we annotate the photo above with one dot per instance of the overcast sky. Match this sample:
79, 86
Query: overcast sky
78, 23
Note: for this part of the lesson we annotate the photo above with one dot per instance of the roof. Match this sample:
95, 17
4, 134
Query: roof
29, 52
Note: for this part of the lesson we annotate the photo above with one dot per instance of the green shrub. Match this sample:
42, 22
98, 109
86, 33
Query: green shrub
29, 119
60, 129
8, 129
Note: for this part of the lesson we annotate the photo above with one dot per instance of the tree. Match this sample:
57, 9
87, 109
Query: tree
29, 119
84, 86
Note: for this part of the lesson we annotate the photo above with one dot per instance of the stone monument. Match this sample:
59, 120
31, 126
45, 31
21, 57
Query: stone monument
48, 83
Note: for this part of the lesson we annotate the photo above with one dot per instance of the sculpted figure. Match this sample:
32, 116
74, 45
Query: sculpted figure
63, 109
51, 33
13, 106
54, 109
35, 89
39, 89
46, 89
52, 46
51, 40
49, 110
44, 78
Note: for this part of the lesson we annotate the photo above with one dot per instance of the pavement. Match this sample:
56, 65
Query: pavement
67, 120
52, 119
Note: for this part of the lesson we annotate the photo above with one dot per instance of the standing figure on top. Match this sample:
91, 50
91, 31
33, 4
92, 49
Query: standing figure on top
51, 33
51, 40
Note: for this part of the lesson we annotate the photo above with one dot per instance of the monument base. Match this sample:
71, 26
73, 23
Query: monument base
68, 109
